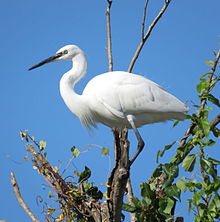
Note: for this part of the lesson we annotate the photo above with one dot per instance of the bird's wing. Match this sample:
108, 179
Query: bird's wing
125, 93
143, 96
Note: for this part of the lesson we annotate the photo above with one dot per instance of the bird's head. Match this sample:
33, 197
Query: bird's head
67, 52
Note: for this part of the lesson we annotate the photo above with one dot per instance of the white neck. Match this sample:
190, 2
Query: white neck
74, 101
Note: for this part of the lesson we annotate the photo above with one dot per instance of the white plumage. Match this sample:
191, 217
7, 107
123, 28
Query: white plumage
117, 99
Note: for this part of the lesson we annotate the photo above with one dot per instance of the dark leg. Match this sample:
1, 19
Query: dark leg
139, 138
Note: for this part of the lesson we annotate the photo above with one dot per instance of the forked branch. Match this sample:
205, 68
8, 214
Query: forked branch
144, 18
146, 36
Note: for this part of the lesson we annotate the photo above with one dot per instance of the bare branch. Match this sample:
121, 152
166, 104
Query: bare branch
20, 199
146, 36
144, 19
108, 22
119, 175
130, 195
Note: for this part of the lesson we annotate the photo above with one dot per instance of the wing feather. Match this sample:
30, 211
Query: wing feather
128, 93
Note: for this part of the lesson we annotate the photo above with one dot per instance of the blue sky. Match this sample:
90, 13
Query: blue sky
33, 30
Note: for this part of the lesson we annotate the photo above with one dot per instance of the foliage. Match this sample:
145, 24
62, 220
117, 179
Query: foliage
75, 195
163, 189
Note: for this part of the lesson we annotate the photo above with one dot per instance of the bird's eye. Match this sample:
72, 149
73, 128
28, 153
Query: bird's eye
65, 52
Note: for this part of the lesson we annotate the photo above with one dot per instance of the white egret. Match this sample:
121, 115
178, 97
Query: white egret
116, 99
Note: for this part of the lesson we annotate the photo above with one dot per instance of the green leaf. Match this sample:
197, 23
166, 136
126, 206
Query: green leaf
146, 191
204, 126
191, 186
206, 74
145, 202
213, 161
158, 171
169, 207
42, 145
161, 153
212, 99
198, 186
208, 167
176, 122
75, 151
202, 86
105, 151
189, 162
95, 193
196, 198
136, 202
181, 185
215, 203
171, 170
210, 143
209, 63
173, 191
84, 175
128, 208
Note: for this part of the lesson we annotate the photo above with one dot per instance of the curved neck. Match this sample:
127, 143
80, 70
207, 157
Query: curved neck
78, 70
69, 79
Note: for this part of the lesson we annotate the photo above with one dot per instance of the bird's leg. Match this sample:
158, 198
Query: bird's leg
139, 138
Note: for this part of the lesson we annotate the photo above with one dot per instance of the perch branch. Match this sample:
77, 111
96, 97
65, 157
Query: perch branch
146, 36
20, 199
120, 173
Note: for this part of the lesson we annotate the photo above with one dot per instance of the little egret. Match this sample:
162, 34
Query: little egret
116, 99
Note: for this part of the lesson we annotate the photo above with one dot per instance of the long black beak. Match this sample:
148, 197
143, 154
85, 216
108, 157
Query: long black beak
48, 60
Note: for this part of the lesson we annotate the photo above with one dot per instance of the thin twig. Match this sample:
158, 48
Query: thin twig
146, 36
108, 23
213, 123
144, 19
202, 102
217, 57
20, 199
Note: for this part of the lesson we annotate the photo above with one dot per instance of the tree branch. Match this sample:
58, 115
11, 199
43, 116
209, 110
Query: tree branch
108, 23
213, 69
144, 19
20, 199
121, 173
213, 123
146, 36
130, 195
202, 102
